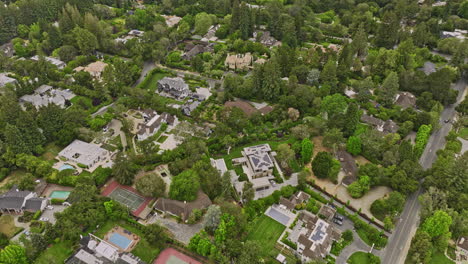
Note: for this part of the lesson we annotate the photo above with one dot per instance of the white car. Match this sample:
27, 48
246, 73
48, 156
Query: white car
45, 219
50, 207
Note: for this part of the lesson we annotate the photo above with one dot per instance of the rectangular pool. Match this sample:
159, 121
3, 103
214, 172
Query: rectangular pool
120, 241
60, 194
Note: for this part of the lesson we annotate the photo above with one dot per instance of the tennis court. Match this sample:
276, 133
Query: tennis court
127, 198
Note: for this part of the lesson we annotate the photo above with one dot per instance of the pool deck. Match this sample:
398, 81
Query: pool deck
54, 187
119, 230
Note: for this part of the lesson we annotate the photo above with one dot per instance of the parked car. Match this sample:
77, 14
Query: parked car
45, 219
337, 221
50, 207
339, 217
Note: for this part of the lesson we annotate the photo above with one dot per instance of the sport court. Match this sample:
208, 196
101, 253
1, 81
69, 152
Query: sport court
172, 256
127, 198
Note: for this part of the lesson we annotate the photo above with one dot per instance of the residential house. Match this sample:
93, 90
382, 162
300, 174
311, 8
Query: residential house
95, 69
385, 127
462, 250
86, 155
153, 123
7, 49
134, 33
94, 250
219, 165
348, 166
429, 67
291, 203
247, 108
182, 209
188, 108
265, 38
60, 64
192, 50
211, 34
4, 80
239, 61
258, 163
316, 237
405, 100
172, 20
327, 212
458, 33
16, 202
173, 87
45, 95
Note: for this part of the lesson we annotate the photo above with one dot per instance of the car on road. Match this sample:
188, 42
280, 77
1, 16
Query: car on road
337, 221
339, 217
45, 219
447, 121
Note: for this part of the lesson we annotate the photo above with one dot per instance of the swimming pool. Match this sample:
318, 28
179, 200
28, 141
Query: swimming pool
66, 167
120, 241
60, 194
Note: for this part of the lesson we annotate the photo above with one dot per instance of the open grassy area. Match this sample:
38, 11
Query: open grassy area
440, 258
7, 226
56, 254
359, 258
143, 249
13, 178
161, 139
151, 80
266, 231
464, 133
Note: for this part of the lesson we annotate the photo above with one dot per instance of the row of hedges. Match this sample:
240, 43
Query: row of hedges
422, 137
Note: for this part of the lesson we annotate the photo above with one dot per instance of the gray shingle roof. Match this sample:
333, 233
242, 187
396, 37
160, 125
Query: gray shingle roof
34, 204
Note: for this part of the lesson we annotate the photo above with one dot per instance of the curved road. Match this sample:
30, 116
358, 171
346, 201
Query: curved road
399, 242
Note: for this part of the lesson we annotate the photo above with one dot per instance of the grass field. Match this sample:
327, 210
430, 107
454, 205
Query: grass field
151, 80
440, 258
464, 133
143, 249
7, 226
56, 254
266, 231
13, 178
359, 258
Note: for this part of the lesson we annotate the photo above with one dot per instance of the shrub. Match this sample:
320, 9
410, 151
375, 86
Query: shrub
56, 201
422, 137
36, 215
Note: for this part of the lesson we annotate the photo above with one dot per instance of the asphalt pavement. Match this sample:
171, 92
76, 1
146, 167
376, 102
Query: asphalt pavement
399, 242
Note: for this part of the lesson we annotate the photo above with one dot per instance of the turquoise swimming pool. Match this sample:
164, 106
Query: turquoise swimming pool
60, 194
66, 167
119, 240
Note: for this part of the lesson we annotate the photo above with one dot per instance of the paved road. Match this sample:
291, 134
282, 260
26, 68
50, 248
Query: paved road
400, 240
147, 67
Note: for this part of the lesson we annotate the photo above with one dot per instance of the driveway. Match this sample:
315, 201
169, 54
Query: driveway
182, 232
50, 213
291, 181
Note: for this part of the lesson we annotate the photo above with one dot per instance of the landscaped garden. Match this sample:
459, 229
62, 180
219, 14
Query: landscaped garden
266, 231
56, 254
7, 226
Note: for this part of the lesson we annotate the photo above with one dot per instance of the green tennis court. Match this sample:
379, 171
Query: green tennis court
127, 198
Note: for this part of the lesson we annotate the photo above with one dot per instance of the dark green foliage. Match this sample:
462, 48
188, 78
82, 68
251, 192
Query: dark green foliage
324, 166
184, 187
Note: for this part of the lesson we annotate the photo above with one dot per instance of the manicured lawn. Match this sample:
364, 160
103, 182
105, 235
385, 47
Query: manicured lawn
151, 80
359, 258
440, 258
464, 133
363, 235
7, 226
56, 254
266, 231
143, 249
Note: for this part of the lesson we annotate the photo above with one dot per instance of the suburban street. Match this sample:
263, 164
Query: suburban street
399, 242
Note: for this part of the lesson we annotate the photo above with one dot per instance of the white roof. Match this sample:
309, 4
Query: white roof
108, 251
51, 60
46, 94
87, 257
4, 79
83, 152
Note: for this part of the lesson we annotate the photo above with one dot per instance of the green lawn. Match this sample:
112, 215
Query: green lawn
143, 249
266, 231
161, 139
13, 178
440, 258
359, 258
151, 80
363, 235
7, 226
56, 254
464, 133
